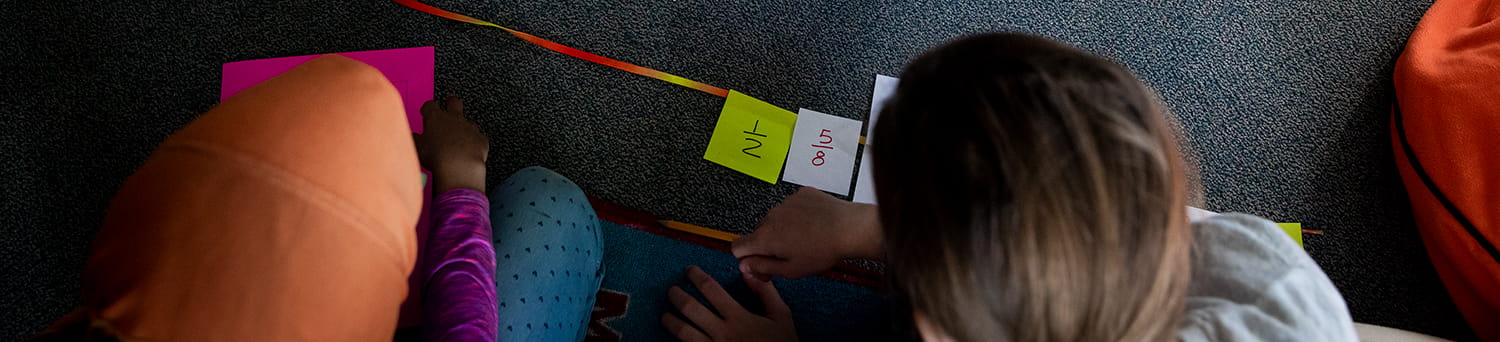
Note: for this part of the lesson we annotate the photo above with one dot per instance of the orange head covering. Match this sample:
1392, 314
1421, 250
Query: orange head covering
285, 213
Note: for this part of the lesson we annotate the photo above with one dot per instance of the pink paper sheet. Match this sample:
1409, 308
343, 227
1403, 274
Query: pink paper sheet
410, 70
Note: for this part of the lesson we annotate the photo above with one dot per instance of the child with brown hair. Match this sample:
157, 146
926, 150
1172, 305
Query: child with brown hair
1032, 191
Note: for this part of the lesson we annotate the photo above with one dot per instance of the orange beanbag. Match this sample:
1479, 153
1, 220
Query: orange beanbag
1446, 133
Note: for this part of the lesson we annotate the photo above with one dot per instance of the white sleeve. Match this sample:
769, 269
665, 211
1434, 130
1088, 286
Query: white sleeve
1251, 282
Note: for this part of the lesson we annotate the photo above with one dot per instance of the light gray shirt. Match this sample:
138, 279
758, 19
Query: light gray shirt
1251, 282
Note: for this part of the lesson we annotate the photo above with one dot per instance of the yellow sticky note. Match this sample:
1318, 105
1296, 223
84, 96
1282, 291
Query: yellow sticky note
752, 137
1293, 229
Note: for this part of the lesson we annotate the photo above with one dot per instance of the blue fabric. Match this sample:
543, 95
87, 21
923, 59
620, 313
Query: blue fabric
547, 257
551, 251
645, 265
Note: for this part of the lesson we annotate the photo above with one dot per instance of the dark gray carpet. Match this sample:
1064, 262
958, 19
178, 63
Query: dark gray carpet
1285, 102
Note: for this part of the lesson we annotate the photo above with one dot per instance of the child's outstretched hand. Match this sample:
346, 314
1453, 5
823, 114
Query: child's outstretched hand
808, 233
733, 323
451, 147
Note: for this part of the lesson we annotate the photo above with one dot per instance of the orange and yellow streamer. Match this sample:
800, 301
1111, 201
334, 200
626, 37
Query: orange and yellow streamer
566, 50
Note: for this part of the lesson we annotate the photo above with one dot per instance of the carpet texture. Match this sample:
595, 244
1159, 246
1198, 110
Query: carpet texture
1285, 104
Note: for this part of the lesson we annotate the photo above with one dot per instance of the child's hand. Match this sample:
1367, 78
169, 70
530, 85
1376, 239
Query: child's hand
808, 233
452, 147
733, 323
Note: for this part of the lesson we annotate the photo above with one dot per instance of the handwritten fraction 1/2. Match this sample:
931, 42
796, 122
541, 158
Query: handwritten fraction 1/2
752, 132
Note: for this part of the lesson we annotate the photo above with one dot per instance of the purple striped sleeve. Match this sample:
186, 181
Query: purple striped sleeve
459, 303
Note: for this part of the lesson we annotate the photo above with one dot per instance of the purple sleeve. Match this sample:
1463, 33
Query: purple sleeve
459, 303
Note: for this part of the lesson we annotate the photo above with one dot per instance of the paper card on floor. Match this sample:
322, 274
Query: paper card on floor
1294, 230
822, 151
752, 137
864, 188
409, 70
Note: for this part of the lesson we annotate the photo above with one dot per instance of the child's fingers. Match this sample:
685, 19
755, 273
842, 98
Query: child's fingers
694, 311
776, 309
748, 245
716, 295
455, 104
430, 108
762, 242
768, 266
745, 270
681, 329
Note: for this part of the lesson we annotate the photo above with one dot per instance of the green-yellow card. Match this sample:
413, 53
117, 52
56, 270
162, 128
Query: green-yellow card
1294, 230
752, 137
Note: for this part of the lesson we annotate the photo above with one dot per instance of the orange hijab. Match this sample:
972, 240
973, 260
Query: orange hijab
284, 214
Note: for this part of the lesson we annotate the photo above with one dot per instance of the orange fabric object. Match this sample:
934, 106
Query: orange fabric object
1446, 132
283, 214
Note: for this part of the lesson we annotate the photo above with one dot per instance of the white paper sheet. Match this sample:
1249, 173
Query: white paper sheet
864, 188
822, 151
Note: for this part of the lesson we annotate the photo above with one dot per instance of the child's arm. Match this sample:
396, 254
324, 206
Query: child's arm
809, 233
458, 299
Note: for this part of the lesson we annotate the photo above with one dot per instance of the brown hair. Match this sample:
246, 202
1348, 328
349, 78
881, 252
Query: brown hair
1032, 191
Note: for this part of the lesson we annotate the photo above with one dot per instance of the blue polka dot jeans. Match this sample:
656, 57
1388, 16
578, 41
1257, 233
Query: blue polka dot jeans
548, 262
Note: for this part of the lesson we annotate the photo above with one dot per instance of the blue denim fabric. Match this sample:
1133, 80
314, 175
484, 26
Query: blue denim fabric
548, 257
